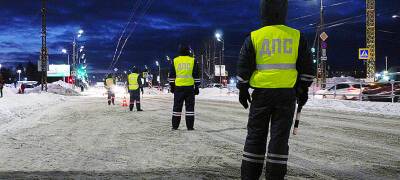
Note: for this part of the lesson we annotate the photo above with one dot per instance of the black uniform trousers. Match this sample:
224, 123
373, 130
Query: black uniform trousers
182, 95
275, 107
111, 96
134, 97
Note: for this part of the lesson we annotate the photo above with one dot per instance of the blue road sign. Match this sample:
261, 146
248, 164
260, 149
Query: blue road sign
363, 53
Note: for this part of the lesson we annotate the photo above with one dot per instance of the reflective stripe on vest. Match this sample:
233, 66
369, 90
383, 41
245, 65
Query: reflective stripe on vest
275, 66
184, 69
133, 81
276, 50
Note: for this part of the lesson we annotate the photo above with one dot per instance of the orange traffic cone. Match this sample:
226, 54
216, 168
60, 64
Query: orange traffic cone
124, 103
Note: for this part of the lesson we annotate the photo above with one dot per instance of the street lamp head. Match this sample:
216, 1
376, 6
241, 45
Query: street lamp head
395, 16
157, 63
218, 35
64, 51
80, 32
19, 71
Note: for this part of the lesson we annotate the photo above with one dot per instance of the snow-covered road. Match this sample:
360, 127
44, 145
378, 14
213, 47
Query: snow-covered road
82, 137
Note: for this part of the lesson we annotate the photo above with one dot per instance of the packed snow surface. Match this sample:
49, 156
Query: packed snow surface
50, 136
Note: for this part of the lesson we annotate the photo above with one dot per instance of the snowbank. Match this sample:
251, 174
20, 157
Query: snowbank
218, 94
18, 106
377, 108
58, 87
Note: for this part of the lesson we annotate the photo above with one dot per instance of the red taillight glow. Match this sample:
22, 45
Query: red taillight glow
351, 89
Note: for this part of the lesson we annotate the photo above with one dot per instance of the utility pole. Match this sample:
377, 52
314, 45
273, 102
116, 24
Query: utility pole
202, 71
44, 52
370, 30
321, 50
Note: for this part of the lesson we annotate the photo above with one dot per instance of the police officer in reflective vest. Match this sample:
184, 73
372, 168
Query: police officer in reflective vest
274, 61
134, 88
109, 84
184, 81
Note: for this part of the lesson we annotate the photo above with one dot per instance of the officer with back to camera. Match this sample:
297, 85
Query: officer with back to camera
184, 81
274, 61
134, 88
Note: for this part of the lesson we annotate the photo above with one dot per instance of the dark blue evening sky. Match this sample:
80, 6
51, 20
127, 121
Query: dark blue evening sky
169, 22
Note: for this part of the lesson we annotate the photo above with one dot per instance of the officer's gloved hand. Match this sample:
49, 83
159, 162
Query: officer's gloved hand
244, 95
172, 89
302, 95
196, 91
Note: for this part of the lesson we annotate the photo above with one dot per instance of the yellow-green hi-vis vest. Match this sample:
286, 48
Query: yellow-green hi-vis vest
276, 50
133, 81
184, 69
109, 83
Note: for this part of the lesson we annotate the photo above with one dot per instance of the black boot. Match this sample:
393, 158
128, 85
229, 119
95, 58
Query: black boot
109, 102
113, 101
138, 107
131, 107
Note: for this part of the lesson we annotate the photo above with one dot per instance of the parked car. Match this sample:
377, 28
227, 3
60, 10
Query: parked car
381, 92
215, 85
350, 90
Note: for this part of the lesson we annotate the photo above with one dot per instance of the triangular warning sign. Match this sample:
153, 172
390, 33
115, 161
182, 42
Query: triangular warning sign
364, 53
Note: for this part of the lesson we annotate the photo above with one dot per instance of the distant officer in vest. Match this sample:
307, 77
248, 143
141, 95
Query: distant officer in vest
109, 84
184, 81
134, 88
275, 61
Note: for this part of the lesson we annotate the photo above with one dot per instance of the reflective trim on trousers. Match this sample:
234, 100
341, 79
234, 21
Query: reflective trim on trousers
277, 155
254, 155
276, 66
178, 114
276, 161
189, 114
253, 160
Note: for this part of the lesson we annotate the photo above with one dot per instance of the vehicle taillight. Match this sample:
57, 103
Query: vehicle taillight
351, 89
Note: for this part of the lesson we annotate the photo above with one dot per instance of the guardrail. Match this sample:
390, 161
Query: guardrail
358, 96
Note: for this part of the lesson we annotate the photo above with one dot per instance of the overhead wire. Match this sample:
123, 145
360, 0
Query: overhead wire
145, 10
135, 8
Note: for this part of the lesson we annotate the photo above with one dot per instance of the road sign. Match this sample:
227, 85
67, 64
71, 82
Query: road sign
324, 36
323, 52
220, 70
324, 45
363, 53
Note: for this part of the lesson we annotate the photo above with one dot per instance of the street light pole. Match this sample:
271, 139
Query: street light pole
19, 74
159, 73
218, 36
386, 63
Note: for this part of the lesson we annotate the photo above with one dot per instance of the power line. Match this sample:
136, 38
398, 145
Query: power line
145, 9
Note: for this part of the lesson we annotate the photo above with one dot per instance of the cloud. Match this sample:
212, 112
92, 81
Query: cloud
166, 24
